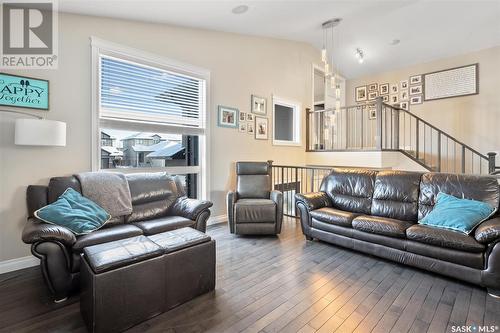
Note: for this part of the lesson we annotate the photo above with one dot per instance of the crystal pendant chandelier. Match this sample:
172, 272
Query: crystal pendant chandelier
331, 74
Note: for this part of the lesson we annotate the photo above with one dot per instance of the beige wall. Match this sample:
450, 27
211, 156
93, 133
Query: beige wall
472, 119
240, 66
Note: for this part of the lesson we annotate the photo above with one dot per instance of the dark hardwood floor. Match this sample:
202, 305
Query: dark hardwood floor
284, 284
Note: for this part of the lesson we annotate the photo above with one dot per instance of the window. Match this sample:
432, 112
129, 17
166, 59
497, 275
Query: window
286, 122
149, 114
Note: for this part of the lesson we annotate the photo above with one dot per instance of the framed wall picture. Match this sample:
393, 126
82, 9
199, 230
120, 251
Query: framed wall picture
403, 95
404, 105
385, 98
243, 116
24, 92
372, 95
416, 100
250, 117
394, 88
384, 89
403, 84
415, 79
416, 90
261, 128
259, 105
394, 99
250, 128
227, 117
361, 94
242, 127
372, 112
372, 87
453, 82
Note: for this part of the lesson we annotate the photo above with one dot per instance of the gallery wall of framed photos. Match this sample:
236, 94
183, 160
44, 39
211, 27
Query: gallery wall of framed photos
419, 88
405, 92
254, 122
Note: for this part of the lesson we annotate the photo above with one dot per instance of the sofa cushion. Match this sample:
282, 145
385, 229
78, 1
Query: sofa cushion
152, 195
350, 189
396, 195
253, 186
443, 238
254, 210
57, 186
106, 235
481, 188
74, 212
381, 225
151, 186
163, 224
334, 216
461, 215
253, 180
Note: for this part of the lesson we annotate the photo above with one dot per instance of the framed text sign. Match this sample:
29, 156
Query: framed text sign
453, 82
24, 92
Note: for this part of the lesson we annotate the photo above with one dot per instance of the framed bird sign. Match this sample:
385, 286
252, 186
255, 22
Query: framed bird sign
24, 92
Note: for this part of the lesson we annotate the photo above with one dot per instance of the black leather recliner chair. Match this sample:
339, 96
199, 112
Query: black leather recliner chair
254, 208
159, 205
377, 213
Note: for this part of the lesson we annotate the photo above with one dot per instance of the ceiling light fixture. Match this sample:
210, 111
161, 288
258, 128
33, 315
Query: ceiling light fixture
241, 9
360, 56
331, 73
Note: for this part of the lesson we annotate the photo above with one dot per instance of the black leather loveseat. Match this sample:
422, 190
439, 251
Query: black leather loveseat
159, 205
377, 213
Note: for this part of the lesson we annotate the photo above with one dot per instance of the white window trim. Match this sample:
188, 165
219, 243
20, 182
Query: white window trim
297, 122
100, 46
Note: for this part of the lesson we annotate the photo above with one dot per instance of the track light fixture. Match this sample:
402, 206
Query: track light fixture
359, 55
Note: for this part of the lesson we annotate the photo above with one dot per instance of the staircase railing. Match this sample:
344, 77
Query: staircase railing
378, 126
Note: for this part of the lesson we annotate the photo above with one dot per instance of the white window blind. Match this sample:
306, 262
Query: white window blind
133, 91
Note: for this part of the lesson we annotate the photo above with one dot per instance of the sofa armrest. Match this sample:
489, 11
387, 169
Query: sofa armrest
277, 198
488, 231
231, 198
36, 230
189, 208
313, 200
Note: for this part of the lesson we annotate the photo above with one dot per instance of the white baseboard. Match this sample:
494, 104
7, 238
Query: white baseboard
18, 263
217, 219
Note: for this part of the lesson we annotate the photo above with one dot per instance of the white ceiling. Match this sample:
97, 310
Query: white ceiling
427, 29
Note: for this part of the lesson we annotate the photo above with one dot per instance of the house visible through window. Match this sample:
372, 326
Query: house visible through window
149, 115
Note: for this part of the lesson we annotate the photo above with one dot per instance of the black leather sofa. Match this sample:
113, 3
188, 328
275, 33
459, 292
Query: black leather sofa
159, 205
376, 212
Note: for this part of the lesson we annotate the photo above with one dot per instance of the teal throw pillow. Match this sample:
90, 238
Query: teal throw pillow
457, 214
75, 212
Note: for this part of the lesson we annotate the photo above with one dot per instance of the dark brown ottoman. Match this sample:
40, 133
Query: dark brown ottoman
123, 284
189, 264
